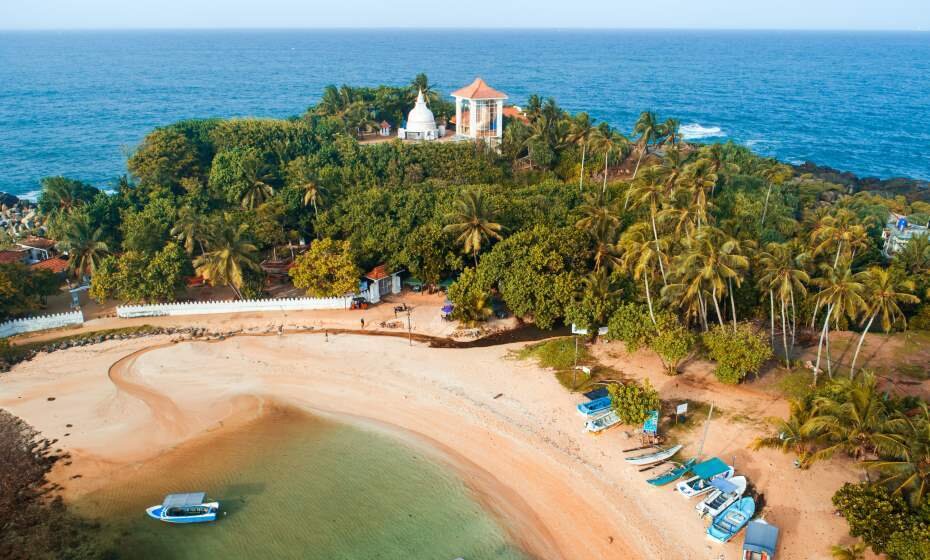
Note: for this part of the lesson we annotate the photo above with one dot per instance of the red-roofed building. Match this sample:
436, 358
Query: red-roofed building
14, 256
55, 265
479, 112
384, 129
382, 282
38, 248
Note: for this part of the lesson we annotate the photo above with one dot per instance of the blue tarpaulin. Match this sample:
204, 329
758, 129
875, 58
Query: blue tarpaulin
723, 485
710, 468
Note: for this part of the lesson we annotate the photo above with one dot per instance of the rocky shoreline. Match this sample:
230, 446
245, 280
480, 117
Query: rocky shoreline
912, 189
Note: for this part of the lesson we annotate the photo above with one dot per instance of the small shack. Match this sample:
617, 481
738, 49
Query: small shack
384, 129
382, 282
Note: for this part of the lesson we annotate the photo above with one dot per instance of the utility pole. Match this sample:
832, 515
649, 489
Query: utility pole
409, 330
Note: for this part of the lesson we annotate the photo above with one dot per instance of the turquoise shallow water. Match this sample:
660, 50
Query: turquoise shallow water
73, 102
292, 486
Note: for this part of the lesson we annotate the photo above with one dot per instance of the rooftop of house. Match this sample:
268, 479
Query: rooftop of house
34, 242
378, 272
12, 256
900, 226
479, 90
56, 265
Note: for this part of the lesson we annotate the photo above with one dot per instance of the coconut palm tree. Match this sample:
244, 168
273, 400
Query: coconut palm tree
914, 257
190, 229
906, 455
599, 208
698, 178
472, 219
647, 128
782, 273
649, 191
841, 293
835, 230
257, 189
580, 131
313, 193
884, 290
670, 131
421, 83
230, 253
796, 434
605, 238
608, 141
84, 244
641, 257
775, 174
852, 419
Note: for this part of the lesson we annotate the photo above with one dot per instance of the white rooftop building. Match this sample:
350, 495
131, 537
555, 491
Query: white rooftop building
421, 124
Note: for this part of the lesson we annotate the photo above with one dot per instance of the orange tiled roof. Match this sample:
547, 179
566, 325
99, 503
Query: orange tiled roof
56, 265
36, 242
7, 257
479, 90
378, 272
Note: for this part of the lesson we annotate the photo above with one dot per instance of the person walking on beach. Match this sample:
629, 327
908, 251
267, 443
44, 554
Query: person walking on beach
363, 322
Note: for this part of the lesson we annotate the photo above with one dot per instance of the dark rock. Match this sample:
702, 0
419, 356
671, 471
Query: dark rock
8, 200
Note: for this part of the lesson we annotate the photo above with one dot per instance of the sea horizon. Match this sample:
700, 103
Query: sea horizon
76, 102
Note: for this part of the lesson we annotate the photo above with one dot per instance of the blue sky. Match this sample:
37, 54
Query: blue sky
704, 14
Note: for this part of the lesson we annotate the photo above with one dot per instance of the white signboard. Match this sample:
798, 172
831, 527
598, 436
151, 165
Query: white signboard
682, 408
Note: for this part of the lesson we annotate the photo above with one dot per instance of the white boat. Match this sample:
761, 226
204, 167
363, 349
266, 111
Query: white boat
655, 457
602, 422
726, 491
704, 473
184, 508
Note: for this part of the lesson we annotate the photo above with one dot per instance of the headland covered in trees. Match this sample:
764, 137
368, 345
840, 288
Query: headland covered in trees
691, 251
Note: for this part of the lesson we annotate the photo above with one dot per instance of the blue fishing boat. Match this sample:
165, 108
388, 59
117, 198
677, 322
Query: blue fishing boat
760, 541
732, 520
673, 474
595, 406
184, 508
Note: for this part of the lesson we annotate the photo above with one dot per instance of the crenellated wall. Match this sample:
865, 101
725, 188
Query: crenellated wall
43, 322
232, 306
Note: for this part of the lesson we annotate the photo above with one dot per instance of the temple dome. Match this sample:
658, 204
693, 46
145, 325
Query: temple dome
421, 119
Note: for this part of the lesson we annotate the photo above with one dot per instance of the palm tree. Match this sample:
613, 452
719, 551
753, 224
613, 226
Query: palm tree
906, 451
852, 419
833, 230
472, 220
698, 178
230, 253
884, 289
84, 245
257, 190
605, 244
606, 140
775, 174
796, 434
580, 131
783, 273
421, 83
640, 257
841, 292
191, 228
598, 208
313, 194
649, 191
914, 257
852, 552
647, 128
598, 286
670, 131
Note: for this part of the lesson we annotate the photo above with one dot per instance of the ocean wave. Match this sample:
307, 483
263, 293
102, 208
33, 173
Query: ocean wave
31, 195
695, 131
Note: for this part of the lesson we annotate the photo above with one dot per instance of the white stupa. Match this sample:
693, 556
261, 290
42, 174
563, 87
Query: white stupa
421, 124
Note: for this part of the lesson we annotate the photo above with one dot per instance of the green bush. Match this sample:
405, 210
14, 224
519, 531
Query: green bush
737, 353
631, 325
921, 320
883, 520
633, 401
673, 344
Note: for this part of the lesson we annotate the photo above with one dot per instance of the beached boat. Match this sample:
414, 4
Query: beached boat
705, 472
602, 422
673, 474
184, 508
760, 541
655, 457
591, 408
725, 492
732, 520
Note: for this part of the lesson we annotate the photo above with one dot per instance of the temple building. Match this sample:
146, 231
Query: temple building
479, 112
421, 125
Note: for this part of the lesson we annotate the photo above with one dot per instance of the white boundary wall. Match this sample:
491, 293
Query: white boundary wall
41, 323
232, 306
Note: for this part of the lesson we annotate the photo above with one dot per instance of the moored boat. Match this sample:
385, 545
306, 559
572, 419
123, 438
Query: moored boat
673, 474
760, 541
593, 407
602, 422
732, 520
655, 457
725, 492
699, 484
184, 508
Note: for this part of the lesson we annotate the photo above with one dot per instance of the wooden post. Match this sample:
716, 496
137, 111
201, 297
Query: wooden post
706, 426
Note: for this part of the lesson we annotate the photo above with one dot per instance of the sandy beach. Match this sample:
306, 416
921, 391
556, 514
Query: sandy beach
506, 425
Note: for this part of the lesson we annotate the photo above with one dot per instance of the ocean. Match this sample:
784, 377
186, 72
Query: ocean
75, 103
295, 486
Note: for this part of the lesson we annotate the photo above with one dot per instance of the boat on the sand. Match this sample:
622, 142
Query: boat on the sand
655, 457
673, 474
725, 492
732, 520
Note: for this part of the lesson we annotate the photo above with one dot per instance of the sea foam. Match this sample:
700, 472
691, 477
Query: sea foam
695, 131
